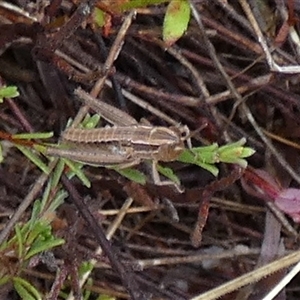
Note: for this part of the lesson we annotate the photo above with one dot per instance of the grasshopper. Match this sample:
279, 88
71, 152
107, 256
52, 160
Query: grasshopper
125, 144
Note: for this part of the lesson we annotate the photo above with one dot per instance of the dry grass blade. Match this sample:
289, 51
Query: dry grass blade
250, 277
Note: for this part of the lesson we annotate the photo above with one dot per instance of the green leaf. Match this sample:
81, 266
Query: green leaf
176, 21
200, 155
238, 143
57, 173
210, 168
34, 158
40, 230
26, 290
40, 148
139, 3
235, 152
57, 201
30, 136
167, 172
247, 151
87, 293
8, 92
4, 279
20, 240
99, 17
40, 246
85, 267
76, 169
90, 122
41, 239
36, 210
131, 174
106, 297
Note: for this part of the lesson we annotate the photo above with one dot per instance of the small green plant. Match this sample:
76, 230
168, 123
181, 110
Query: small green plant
28, 241
207, 157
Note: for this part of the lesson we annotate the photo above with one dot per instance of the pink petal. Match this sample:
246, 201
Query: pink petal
288, 201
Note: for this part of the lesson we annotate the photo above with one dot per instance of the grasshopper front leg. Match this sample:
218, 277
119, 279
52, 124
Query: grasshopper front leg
157, 180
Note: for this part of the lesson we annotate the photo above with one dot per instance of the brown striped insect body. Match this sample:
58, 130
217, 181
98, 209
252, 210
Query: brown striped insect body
143, 142
125, 144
